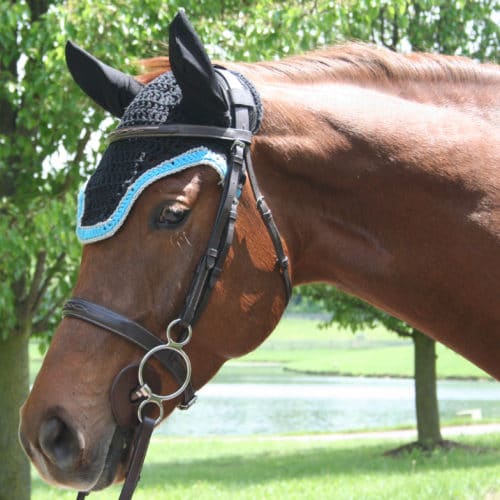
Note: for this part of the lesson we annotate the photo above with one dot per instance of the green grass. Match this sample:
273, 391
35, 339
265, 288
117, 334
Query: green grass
266, 468
298, 344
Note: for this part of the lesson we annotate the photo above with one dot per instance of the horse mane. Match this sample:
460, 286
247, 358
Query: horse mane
353, 61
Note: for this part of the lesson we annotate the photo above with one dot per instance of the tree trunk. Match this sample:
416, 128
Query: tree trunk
14, 387
428, 427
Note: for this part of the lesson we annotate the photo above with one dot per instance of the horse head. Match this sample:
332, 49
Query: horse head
145, 218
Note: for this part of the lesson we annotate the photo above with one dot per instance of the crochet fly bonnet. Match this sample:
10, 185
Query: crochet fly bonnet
129, 166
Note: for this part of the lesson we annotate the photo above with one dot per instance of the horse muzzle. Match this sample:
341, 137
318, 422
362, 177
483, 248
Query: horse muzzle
64, 456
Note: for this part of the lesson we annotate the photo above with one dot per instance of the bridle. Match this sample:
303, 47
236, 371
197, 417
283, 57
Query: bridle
132, 389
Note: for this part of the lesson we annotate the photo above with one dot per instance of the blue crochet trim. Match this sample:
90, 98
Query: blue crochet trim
107, 228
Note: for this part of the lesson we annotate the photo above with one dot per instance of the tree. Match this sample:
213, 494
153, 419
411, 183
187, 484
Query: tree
46, 126
352, 313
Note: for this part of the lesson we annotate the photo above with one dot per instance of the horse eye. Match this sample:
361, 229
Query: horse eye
170, 217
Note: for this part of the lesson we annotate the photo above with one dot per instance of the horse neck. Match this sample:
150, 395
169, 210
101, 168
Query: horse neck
382, 196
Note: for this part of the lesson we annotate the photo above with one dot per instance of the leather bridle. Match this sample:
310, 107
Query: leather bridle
171, 355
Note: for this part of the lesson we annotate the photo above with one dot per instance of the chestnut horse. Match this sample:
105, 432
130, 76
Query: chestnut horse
382, 172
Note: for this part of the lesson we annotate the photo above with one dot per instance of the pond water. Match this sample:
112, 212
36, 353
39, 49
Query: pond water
244, 400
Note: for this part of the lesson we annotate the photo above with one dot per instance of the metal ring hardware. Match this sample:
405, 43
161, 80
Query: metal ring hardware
171, 345
154, 400
175, 343
180, 390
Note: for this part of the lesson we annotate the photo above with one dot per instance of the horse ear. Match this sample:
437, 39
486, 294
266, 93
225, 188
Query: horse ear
202, 94
108, 87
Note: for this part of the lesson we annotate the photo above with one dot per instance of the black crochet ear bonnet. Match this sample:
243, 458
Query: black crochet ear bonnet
129, 166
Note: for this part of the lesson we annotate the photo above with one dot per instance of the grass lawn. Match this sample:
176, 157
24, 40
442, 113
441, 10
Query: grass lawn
266, 468
299, 344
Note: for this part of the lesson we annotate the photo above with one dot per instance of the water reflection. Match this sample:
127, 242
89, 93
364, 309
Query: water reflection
267, 400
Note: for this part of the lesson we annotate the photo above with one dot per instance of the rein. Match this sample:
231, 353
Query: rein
130, 396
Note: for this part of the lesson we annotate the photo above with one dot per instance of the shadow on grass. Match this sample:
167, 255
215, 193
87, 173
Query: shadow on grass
260, 464
259, 467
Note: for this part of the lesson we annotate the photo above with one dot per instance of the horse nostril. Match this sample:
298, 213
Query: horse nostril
60, 443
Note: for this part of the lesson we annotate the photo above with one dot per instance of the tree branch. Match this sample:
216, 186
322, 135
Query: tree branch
77, 158
42, 325
372, 34
30, 300
82, 144
38, 8
46, 282
402, 332
395, 32
19, 288
381, 18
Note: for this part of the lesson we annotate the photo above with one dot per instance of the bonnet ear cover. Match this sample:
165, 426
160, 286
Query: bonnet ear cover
203, 98
108, 87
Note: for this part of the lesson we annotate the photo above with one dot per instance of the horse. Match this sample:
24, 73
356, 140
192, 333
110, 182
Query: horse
380, 173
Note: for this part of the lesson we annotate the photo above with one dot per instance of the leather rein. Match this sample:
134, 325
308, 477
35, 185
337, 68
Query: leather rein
133, 388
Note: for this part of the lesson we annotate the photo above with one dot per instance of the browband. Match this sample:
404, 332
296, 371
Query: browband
205, 131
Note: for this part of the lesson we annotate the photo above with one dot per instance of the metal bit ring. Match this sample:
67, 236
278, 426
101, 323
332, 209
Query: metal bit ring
176, 343
146, 402
182, 388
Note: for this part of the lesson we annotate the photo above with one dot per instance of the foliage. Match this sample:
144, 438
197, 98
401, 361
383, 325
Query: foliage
350, 312
37, 236
46, 123
300, 304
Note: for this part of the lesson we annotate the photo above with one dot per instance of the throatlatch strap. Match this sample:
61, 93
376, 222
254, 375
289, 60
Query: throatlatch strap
240, 99
267, 217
